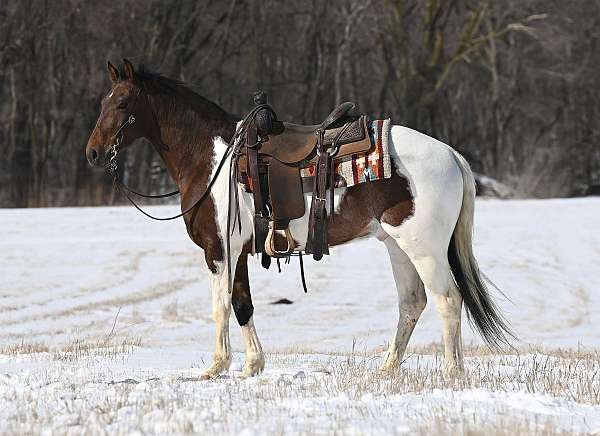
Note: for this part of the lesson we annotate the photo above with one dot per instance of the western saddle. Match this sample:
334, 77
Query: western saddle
271, 157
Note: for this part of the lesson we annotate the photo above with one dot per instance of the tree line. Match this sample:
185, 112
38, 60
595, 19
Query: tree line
512, 84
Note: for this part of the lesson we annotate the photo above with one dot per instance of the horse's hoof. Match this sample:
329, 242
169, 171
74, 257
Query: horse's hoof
248, 372
254, 367
218, 367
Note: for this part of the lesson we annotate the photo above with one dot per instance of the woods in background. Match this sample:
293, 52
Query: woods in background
511, 84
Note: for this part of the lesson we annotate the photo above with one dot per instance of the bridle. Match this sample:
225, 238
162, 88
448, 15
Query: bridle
233, 148
118, 135
112, 163
111, 166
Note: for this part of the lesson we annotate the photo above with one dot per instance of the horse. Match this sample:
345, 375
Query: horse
423, 214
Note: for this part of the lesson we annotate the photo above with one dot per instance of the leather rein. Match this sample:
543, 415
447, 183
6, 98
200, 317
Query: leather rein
232, 146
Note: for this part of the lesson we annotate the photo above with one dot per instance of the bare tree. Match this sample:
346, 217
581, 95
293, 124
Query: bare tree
510, 84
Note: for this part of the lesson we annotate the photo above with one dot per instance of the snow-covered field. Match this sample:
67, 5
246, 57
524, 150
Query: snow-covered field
105, 326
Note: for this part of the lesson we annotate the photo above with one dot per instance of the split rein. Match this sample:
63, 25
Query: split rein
232, 147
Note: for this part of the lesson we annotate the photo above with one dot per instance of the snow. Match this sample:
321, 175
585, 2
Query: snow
156, 391
68, 275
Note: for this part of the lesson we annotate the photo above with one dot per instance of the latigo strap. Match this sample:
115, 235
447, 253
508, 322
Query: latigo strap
317, 243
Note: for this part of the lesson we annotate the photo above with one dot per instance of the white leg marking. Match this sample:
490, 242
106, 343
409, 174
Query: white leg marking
437, 277
221, 307
411, 302
255, 358
221, 298
449, 307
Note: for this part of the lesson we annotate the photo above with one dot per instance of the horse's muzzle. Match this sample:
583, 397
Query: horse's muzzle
95, 157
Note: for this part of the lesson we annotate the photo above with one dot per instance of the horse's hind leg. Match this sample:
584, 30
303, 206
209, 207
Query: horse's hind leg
449, 307
243, 309
436, 275
411, 302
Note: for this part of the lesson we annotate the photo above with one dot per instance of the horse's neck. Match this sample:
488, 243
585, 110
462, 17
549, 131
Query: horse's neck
188, 132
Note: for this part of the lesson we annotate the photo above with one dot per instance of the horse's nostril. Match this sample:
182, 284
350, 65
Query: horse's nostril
93, 156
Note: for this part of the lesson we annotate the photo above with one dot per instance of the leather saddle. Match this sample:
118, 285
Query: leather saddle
293, 144
273, 155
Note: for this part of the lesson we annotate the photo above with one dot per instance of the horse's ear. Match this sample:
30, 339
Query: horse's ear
113, 72
129, 70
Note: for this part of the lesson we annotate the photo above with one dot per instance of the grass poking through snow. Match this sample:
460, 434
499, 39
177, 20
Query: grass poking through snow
84, 387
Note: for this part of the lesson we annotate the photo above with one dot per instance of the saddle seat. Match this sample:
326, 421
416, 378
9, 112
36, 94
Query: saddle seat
294, 144
297, 144
278, 157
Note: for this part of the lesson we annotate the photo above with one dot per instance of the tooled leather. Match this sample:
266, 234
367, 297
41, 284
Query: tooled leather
354, 132
355, 140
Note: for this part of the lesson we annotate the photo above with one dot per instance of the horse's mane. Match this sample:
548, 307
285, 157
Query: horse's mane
156, 83
175, 91
178, 103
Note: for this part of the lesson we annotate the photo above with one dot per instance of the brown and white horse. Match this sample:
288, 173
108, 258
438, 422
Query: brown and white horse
423, 214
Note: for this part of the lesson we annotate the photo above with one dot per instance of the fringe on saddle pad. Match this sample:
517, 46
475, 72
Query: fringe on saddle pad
364, 167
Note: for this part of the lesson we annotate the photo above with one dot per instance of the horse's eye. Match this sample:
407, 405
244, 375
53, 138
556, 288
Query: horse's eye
122, 105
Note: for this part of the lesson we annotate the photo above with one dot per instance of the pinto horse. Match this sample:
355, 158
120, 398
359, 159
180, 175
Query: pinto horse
423, 214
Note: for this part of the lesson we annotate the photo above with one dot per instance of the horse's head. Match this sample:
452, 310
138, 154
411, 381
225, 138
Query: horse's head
125, 115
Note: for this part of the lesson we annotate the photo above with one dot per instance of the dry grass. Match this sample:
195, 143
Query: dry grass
77, 349
573, 374
24, 348
107, 348
436, 348
566, 373
576, 378
330, 395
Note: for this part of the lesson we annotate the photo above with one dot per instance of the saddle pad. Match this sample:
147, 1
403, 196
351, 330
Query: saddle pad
364, 167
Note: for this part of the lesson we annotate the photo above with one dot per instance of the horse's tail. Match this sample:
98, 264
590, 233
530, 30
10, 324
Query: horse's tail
482, 312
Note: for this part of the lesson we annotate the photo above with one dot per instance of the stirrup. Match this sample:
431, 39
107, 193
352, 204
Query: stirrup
270, 243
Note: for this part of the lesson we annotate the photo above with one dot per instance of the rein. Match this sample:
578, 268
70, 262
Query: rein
232, 147
123, 189
112, 165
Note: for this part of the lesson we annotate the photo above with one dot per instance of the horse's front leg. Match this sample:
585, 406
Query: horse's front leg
221, 310
243, 308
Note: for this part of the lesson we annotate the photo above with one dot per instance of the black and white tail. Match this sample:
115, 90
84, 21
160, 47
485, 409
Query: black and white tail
482, 312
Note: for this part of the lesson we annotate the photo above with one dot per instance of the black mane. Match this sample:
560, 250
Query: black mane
155, 83
177, 104
172, 90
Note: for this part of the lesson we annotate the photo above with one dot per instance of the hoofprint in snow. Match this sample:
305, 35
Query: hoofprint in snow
106, 326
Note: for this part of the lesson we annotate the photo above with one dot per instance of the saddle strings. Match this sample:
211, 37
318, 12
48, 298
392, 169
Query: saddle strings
237, 143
